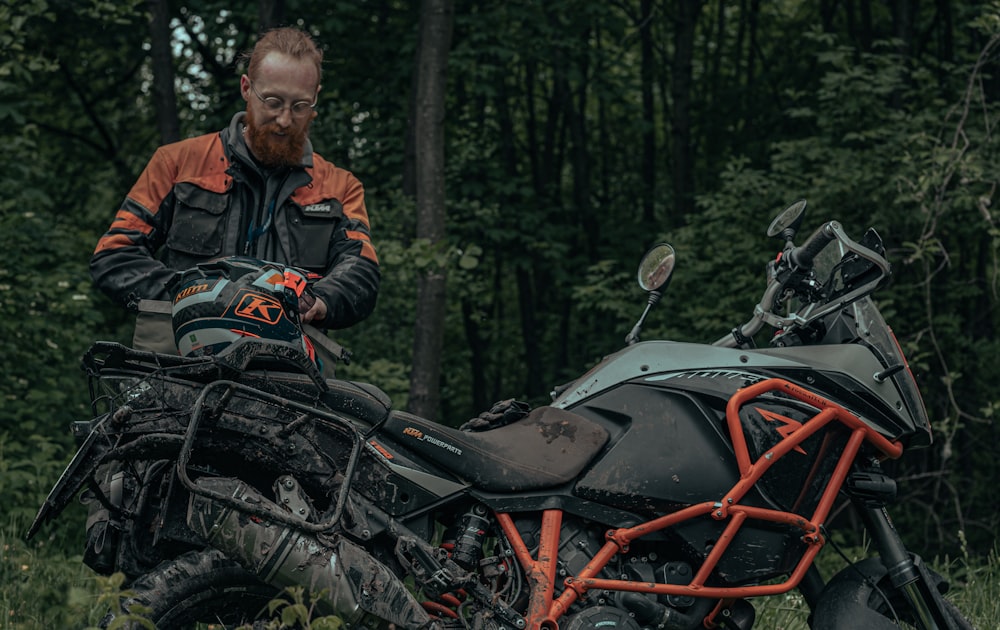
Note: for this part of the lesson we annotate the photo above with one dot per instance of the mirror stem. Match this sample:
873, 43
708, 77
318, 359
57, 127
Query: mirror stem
633, 336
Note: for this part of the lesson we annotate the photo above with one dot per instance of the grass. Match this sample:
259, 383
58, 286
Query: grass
43, 587
974, 589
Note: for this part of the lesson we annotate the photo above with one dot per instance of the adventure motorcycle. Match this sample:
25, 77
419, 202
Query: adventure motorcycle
662, 489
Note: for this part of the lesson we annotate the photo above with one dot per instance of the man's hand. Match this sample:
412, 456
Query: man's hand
312, 308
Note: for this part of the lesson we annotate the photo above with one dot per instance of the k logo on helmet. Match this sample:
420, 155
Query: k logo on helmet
259, 308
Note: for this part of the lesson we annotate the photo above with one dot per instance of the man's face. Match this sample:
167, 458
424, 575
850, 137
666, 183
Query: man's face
277, 137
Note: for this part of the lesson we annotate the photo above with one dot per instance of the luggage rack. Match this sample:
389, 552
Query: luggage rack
211, 406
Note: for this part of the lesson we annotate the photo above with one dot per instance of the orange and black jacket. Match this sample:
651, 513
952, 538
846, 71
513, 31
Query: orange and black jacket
205, 197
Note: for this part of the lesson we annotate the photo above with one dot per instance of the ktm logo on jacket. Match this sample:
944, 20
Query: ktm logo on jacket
260, 308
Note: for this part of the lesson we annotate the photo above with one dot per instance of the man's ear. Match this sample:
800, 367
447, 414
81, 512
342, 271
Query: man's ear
245, 87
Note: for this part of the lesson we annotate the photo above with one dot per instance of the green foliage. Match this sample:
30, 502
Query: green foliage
298, 610
21, 60
27, 465
47, 317
43, 587
609, 289
721, 259
111, 599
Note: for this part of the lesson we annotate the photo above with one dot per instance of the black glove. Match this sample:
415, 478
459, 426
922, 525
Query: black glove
500, 414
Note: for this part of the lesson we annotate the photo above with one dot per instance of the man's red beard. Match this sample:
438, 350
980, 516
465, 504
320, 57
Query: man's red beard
274, 151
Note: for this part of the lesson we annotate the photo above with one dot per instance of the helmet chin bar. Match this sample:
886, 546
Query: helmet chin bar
250, 353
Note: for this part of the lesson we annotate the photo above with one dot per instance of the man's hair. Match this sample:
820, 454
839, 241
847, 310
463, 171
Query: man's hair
289, 41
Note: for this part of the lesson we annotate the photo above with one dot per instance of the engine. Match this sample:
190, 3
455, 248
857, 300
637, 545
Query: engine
601, 610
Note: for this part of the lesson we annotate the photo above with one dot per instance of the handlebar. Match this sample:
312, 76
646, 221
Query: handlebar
742, 334
803, 255
794, 268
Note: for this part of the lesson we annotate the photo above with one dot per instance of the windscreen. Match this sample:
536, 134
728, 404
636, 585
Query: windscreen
874, 332
845, 276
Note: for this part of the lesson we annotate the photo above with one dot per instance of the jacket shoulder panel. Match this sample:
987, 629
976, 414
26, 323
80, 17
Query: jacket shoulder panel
202, 161
328, 182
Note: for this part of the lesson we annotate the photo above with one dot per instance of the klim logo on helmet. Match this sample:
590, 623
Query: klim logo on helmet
260, 308
191, 290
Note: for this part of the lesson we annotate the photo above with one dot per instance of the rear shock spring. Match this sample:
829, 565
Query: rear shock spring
464, 544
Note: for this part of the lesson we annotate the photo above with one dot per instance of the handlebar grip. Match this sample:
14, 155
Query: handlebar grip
803, 255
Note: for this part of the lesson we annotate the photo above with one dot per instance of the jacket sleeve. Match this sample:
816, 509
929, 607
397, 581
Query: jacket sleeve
123, 265
351, 283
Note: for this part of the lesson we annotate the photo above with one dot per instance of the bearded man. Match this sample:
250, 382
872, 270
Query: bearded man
254, 189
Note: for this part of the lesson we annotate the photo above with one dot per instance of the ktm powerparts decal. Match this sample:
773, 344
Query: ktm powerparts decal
423, 437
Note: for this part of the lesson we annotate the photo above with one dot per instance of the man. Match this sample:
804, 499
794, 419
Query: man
254, 189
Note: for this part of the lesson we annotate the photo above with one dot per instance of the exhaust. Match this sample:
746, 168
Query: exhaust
353, 582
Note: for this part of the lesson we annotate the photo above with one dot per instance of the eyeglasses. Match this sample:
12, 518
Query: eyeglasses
275, 105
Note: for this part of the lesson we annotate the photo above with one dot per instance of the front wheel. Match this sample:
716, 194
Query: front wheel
862, 596
198, 586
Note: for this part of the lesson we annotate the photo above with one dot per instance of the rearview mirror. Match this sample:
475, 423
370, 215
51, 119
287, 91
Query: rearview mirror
789, 219
656, 267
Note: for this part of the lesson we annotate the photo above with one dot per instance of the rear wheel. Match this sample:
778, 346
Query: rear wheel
198, 586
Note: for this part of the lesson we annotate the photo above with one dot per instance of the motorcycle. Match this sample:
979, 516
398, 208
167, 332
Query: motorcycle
665, 488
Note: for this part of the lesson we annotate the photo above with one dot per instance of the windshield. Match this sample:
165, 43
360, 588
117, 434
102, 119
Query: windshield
875, 333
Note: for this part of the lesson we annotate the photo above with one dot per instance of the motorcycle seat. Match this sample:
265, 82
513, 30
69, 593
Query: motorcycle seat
360, 400
548, 447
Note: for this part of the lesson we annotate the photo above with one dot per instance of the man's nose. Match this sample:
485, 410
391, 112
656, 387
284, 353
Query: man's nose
284, 117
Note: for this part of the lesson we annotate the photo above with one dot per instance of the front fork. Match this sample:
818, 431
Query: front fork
909, 576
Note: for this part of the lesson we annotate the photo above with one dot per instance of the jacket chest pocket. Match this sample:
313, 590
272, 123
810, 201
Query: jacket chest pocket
311, 229
199, 218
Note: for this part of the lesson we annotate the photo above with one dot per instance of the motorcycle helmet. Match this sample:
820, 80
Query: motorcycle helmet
220, 302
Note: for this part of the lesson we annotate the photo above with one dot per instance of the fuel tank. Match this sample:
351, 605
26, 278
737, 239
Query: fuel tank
672, 446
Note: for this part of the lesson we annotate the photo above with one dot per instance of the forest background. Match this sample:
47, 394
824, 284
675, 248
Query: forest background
576, 134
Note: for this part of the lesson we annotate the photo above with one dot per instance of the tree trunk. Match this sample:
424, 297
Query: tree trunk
270, 13
902, 25
945, 25
867, 29
714, 137
164, 97
432, 59
752, 50
646, 72
827, 13
858, 23
683, 148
